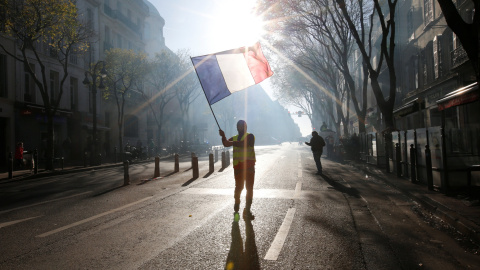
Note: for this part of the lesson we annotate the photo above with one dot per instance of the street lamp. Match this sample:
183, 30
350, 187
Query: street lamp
86, 81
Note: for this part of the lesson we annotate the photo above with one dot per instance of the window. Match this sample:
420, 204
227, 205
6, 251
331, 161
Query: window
90, 22
119, 41
415, 71
3, 76
73, 94
428, 10
29, 95
73, 57
410, 32
437, 56
54, 86
131, 126
108, 41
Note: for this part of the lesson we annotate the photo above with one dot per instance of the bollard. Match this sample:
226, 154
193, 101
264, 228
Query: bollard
193, 155
35, 161
216, 155
115, 155
126, 176
387, 140
398, 161
157, 167
195, 167
85, 159
223, 160
228, 158
10, 166
413, 165
177, 164
62, 162
210, 163
428, 164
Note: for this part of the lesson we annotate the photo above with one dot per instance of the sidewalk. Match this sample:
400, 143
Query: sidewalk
68, 168
461, 212
73, 167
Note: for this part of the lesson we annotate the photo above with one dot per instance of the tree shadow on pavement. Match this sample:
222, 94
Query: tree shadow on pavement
338, 186
188, 182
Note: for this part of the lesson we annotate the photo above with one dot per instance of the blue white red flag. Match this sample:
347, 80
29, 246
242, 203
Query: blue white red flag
224, 73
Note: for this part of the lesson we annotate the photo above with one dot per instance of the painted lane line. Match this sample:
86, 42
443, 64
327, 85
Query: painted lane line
92, 218
300, 173
40, 203
277, 244
298, 189
5, 224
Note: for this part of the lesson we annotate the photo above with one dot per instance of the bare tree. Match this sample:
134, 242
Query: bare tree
187, 89
126, 70
161, 85
385, 103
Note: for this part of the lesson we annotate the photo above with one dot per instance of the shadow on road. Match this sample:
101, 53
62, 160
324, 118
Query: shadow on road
238, 257
338, 186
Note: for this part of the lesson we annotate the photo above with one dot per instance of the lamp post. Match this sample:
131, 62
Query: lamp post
94, 75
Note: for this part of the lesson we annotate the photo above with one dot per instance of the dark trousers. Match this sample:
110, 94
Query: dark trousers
244, 177
316, 157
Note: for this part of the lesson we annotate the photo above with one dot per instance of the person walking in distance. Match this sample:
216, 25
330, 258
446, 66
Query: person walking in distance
317, 143
243, 166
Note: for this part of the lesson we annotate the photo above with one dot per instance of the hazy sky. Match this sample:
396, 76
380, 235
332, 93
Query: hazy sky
209, 26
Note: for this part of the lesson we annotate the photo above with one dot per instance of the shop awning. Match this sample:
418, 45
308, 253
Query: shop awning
40, 108
464, 95
410, 107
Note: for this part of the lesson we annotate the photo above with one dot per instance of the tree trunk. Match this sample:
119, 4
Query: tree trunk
49, 154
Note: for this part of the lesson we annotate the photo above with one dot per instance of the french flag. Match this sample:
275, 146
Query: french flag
224, 73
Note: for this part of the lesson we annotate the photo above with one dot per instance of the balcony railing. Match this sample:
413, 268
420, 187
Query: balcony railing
458, 56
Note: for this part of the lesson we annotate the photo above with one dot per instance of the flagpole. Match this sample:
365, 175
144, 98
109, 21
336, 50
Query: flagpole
205, 94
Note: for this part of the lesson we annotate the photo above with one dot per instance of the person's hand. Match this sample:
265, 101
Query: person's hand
221, 133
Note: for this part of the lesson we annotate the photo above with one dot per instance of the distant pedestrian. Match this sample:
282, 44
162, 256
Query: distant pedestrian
323, 127
19, 155
243, 166
317, 143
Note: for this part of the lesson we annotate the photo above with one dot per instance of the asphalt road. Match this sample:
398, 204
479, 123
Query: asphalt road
343, 219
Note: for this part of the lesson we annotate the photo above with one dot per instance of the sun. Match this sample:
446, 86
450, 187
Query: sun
235, 24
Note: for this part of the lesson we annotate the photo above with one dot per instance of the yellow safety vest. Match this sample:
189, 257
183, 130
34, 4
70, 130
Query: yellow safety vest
243, 154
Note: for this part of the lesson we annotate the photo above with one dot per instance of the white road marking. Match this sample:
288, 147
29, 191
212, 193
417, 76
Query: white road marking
298, 189
300, 168
277, 244
92, 218
35, 204
5, 224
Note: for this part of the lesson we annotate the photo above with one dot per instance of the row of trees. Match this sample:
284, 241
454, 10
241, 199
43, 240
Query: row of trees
320, 37
135, 81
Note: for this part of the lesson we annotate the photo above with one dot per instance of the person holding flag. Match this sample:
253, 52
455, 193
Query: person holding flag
243, 166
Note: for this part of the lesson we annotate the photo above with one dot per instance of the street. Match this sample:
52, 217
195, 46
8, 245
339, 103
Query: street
343, 219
